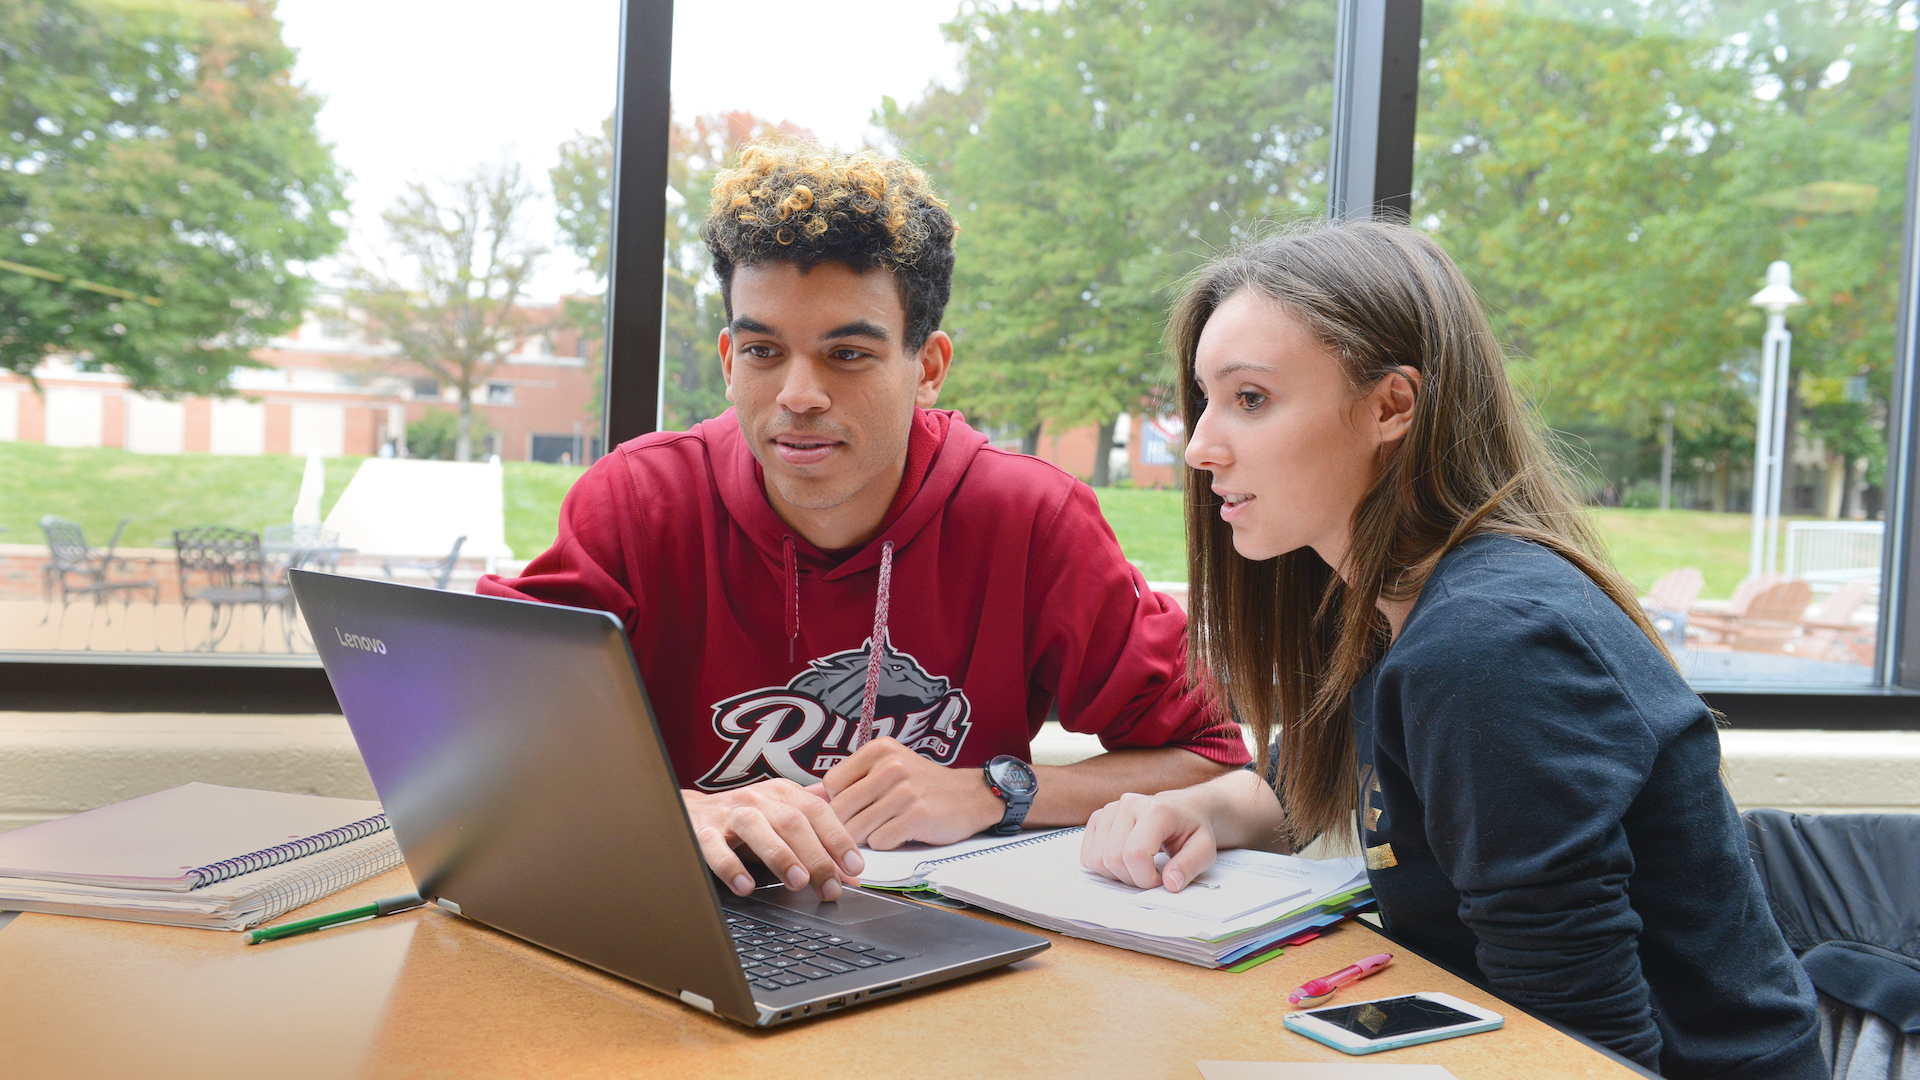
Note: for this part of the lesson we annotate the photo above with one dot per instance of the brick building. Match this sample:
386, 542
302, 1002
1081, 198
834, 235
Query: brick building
325, 385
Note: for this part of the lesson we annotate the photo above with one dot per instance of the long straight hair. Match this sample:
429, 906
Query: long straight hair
1282, 641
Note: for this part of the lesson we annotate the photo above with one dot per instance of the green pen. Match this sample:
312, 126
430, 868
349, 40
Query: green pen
372, 911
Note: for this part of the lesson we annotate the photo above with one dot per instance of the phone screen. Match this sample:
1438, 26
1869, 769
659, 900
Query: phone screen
1392, 1017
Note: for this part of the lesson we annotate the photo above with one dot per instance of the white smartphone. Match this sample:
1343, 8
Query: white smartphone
1368, 1027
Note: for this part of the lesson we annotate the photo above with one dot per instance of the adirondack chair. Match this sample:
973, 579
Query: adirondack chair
1714, 626
1668, 601
1831, 633
1767, 621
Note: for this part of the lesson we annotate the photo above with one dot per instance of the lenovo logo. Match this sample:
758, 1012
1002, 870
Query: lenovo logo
364, 644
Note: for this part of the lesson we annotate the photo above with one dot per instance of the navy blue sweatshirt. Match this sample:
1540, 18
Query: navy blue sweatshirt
1542, 805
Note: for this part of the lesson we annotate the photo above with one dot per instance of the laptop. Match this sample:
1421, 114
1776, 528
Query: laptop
527, 784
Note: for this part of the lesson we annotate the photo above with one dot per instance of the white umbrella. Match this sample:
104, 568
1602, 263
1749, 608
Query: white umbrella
306, 509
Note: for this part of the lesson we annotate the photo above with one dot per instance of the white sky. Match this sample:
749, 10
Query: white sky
424, 89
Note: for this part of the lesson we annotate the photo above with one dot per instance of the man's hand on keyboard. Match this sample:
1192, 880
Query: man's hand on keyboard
789, 828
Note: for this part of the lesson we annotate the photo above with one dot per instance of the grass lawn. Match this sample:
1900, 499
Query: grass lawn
160, 492
1644, 544
163, 492
1151, 530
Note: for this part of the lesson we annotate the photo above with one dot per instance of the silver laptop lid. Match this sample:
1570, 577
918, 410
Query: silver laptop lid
515, 752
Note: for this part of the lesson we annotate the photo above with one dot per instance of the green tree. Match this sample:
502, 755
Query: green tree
583, 188
161, 186
436, 435
1094, 152
453, 307
1616, 180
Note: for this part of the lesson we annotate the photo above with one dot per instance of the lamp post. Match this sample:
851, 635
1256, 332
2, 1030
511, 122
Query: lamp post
1769, 447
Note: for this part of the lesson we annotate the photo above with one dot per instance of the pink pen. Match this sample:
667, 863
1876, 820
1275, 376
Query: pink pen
1319, 990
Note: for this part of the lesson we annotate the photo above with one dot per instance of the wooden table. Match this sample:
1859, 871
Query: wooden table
426, 994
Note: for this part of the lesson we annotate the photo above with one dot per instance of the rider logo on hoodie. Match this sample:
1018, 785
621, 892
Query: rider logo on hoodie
804, 728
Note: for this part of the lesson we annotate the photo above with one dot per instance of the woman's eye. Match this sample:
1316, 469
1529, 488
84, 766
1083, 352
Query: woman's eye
1250, 399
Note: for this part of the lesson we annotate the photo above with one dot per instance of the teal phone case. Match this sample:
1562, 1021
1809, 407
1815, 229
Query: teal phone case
1394, 1044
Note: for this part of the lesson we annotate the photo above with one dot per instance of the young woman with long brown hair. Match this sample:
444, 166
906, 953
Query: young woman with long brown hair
1392, 585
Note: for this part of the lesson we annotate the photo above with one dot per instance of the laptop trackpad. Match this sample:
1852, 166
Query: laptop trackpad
853, 906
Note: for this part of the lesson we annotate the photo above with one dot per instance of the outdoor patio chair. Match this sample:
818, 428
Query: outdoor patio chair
439, 571
226, 569
1714, 624
1669, 599
302, 547
77, 569
1831, 633
1769, 622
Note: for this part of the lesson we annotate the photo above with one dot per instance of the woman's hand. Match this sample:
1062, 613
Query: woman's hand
1124, 836
1192, 825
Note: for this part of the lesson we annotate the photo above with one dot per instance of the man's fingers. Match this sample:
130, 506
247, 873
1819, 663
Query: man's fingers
858, 764
724, 862
854, 799
835, 837
784, 839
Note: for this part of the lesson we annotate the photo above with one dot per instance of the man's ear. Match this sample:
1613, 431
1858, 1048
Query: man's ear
935, 360
726, 360
1392, 402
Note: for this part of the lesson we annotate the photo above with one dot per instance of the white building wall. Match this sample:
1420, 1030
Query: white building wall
155, 426
74, 417
9, 414
318, 426
238, 427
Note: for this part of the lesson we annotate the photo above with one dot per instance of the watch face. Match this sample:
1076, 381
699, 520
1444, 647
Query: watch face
1014, 776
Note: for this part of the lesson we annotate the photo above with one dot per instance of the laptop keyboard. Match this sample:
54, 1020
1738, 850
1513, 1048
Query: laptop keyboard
776, 956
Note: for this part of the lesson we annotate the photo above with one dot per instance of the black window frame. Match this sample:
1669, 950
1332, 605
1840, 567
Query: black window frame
1377, 57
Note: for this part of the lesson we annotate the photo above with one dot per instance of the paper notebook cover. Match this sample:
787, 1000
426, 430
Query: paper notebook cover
184, 838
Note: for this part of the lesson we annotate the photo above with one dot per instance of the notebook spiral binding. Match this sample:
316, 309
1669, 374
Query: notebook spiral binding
1050, 834
324, 878
279, 853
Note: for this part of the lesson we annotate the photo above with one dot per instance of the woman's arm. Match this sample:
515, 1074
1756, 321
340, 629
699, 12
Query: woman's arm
1524, 755
1192, 825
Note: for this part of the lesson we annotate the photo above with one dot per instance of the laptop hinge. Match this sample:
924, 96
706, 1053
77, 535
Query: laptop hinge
704, 1004
448, 904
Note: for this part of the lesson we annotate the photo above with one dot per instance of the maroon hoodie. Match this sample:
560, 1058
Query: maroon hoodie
1007, 592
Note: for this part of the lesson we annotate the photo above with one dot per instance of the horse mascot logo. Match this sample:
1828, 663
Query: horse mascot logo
804, 728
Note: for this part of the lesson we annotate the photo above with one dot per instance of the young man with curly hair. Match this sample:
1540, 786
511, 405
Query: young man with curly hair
845, 604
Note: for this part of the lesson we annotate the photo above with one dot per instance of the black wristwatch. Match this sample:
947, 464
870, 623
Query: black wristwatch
1013, 781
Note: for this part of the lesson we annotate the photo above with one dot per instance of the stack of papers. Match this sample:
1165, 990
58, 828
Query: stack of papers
1245, 905
238, 903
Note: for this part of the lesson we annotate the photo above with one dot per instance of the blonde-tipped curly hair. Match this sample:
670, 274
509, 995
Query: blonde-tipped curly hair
803, 203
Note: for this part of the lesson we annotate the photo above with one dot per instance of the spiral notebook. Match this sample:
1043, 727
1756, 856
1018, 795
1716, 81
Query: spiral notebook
1243, 906
907, 866
196, 855
185, 838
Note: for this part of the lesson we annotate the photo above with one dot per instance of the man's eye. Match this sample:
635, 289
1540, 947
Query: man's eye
760, 351
847, 355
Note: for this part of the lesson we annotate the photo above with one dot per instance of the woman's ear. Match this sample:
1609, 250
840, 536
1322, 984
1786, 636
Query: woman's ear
1391, 403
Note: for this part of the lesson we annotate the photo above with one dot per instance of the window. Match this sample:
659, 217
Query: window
1620, 183
179, 376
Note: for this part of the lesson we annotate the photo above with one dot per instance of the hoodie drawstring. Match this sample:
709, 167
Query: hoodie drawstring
792, 583
875, 645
